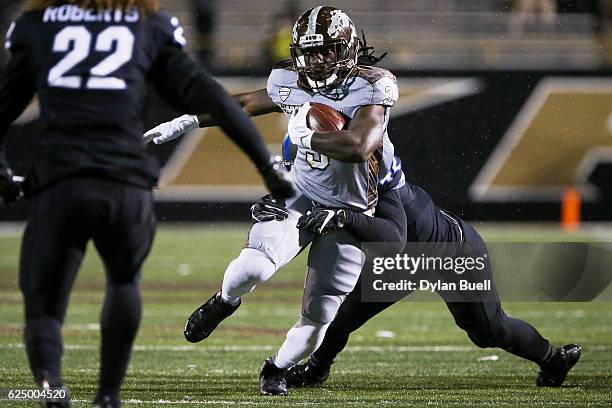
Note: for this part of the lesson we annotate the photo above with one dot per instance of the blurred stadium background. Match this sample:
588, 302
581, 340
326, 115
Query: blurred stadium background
504, 104
505, 109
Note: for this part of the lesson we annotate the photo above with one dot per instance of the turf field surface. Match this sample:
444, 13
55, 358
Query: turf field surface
410, 355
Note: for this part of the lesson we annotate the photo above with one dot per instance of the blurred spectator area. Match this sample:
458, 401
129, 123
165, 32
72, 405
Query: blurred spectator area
247, 35
428, 34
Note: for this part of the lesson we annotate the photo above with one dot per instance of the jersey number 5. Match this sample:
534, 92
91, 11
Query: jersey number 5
317, 160
76, 40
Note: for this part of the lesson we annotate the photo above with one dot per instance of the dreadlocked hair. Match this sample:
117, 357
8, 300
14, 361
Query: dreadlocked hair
144, 6
365, 55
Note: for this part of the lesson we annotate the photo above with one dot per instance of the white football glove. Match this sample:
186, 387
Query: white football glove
299, 132
167, 131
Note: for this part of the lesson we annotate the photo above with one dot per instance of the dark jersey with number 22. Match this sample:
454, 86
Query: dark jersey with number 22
90, 70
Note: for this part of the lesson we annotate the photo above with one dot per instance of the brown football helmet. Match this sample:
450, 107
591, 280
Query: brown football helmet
324, 48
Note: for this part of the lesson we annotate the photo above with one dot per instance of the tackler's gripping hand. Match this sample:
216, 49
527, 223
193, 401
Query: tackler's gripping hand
10, 186
276, 179
168, 131
269, 208
321, 219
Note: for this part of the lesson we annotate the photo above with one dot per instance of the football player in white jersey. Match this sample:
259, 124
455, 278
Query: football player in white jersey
337, 169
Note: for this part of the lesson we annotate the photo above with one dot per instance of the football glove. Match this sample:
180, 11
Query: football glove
10, 186
299, 132
277, 180
322, 219
267, 209
167, 131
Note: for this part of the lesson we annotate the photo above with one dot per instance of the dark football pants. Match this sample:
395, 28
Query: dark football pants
120, 221
485, 323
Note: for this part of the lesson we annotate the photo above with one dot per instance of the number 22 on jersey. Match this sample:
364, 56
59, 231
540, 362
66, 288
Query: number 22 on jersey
76, 41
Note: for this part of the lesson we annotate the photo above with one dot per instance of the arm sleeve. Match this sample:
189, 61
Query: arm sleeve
389, 224
17, 85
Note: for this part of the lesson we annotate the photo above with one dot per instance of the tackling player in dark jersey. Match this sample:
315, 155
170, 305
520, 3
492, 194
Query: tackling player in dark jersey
485, 322
89, 61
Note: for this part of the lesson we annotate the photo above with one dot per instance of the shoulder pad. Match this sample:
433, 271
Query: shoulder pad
384, 85
279, 82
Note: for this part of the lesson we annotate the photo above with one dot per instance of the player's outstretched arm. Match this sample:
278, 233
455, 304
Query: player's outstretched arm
253, 104
183, 82
354, 145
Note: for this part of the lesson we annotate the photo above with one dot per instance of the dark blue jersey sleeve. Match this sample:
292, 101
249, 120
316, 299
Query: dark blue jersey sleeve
389, 224
17, 83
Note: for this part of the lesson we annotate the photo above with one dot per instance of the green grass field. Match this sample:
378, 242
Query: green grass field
426, 362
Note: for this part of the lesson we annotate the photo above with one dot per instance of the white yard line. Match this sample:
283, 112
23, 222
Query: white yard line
350, 349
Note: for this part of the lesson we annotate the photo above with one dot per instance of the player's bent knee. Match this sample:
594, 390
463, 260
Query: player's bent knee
253, 264
251, 268
496, 334
322, 309
482, 339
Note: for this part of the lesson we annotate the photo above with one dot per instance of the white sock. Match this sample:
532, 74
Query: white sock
244, 273
302, 340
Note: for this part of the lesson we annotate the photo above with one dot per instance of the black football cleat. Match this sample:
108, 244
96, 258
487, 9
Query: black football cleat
55, 394
307, 375
553, 373
272, 379
106, 402
55, 402
205, 319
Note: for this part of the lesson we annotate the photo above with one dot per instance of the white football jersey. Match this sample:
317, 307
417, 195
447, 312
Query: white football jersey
325, 180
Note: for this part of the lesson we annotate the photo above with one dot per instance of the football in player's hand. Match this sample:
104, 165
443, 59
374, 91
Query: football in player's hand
323, 118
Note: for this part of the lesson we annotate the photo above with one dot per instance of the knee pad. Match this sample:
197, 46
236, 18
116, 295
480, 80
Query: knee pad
321, 309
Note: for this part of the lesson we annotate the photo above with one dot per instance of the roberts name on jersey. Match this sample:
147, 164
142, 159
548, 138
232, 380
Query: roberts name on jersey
75, 14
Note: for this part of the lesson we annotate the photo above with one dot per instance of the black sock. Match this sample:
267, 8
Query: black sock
43, 341
120, 319
523, 340
550, 357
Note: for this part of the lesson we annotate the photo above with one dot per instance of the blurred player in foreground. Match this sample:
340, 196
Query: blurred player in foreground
485, 322
339, 169
92, 175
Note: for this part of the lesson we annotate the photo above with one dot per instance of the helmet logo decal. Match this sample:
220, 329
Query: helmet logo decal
284, 93
339, 21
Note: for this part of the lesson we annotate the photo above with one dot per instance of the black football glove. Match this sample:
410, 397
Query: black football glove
276, 180
322, 219
10, 186
268, 208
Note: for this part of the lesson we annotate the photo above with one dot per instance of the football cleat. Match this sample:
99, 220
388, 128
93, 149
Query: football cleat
272, 379
54, 388
307, 375
106, 402
205, 319
553, 373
